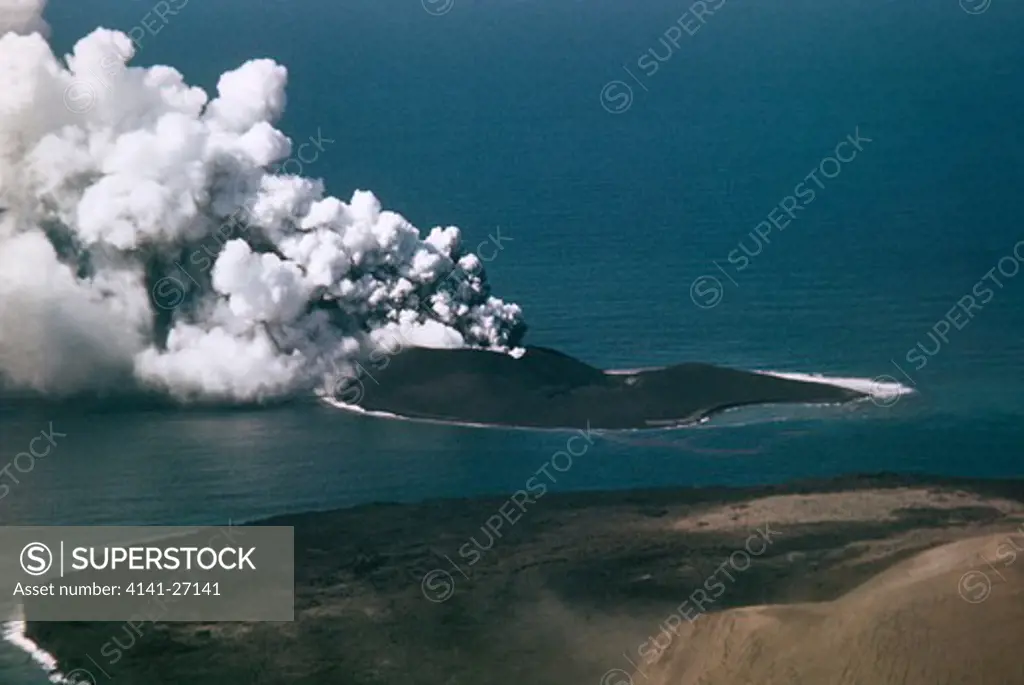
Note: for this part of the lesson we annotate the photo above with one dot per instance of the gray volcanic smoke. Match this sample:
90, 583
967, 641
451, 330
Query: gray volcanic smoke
107, 192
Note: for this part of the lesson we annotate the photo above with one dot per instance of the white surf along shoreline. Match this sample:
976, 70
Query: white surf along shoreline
14, 634
883, 393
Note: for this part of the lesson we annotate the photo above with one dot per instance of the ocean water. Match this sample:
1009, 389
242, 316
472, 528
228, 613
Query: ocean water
618, 223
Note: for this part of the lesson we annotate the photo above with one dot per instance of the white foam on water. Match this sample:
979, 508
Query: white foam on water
356, 409
14, 634
873, 387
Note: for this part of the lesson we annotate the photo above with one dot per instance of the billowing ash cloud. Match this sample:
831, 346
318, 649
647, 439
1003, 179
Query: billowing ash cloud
23, 16
146, 242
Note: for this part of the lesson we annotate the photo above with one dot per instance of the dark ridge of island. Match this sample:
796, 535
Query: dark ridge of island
861, 579
548, 389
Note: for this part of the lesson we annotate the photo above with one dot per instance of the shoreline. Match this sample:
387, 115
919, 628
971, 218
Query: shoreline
602, 564
547, 389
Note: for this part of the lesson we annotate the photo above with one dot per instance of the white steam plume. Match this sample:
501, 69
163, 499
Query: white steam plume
23, 16
143, 239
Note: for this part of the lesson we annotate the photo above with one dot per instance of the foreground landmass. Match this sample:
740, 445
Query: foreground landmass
547, 389
856, 580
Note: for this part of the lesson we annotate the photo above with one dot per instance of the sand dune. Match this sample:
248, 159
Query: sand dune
863, 582
953, 614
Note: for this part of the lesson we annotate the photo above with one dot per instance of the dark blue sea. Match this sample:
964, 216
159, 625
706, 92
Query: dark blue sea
628, 154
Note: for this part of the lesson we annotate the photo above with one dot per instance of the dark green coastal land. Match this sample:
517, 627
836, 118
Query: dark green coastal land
595, 588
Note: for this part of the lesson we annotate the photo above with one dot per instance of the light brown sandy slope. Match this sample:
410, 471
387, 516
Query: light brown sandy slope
950, 615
